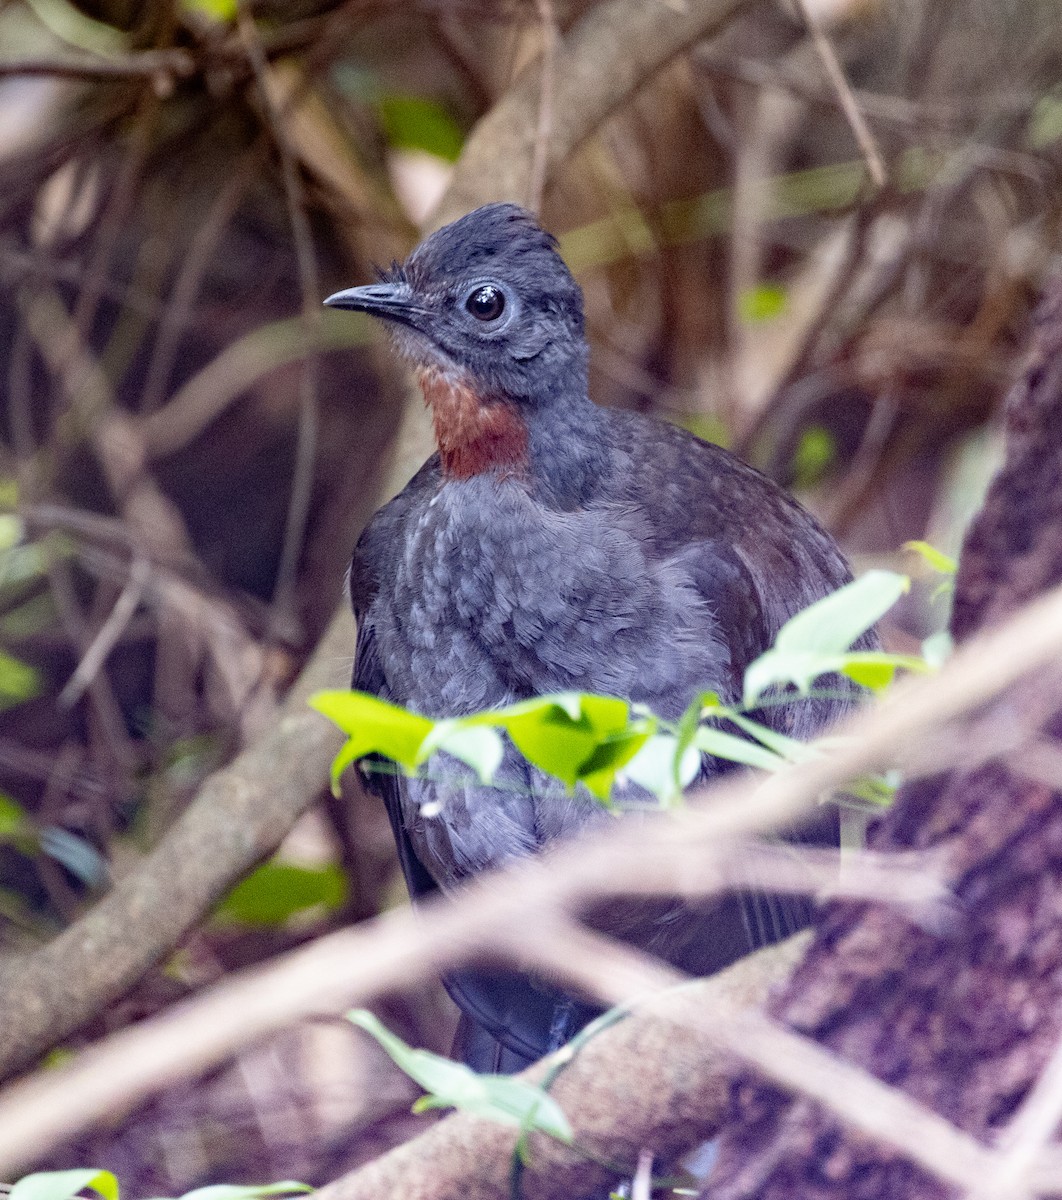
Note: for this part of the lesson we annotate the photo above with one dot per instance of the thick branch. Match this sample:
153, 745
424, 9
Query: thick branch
604, 59
240, 815
645, 1081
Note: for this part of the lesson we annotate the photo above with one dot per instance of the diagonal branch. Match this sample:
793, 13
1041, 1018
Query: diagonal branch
398, 949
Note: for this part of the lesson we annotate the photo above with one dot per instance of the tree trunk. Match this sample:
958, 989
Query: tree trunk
962, 1019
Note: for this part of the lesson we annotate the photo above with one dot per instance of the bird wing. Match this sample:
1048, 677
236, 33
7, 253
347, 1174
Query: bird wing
376, 543
754, 555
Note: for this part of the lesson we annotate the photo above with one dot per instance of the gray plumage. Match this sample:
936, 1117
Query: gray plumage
554, 545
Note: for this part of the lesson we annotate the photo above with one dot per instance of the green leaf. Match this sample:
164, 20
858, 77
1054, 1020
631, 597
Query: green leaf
735, 749
705, 426
937, 648
373, 726
786, 747
815, 452
18, 682
30, 560
29, 618
814, 642
872, 669
416, 123
347, 756
13, 820
560, 733
654, 768
832, 624
222, 11
598, 772
61, 1185
481, 748
878, 790
453, 1085
762, 303
933, 557
276, 891
12, 530
876, 669
250, 1191
686, 731
1045, 124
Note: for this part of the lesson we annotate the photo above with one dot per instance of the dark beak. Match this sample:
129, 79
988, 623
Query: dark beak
391, 301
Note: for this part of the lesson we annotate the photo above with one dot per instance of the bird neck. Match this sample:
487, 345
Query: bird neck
475, 433
568, 446
556, 443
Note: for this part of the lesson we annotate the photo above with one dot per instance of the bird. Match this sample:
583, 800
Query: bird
551, 545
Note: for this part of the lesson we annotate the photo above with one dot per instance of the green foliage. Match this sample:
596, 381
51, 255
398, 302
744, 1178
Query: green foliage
762, 303
706, 426
599, 741
21, 564
944, 565
933, 557
18, 682
278, 891
816, 641
448, 1084
815, 452
416, 123
64, 1185
13, 821
578, 738
222, 11
249, 1191
1045, 123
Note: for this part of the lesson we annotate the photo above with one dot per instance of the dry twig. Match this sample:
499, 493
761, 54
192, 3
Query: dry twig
550, 37
849, 105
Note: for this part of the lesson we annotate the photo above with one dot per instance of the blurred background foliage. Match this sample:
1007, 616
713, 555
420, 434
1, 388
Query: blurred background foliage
189, 444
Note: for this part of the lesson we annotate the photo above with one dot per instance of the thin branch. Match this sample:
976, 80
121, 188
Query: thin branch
109, 634
1022, 1142
310, 283
550, 40
640, 1081
898, 111
222, 381
169, 65
857, 1099
849, 105
193, 266
603, 59
116, 439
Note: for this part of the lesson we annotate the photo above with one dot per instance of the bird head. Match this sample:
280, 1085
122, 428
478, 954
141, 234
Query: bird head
487, 300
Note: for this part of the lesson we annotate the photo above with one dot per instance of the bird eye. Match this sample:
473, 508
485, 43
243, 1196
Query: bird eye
487, 303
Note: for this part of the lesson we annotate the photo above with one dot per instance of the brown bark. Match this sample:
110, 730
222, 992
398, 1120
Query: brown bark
963, 1019
646, 1081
